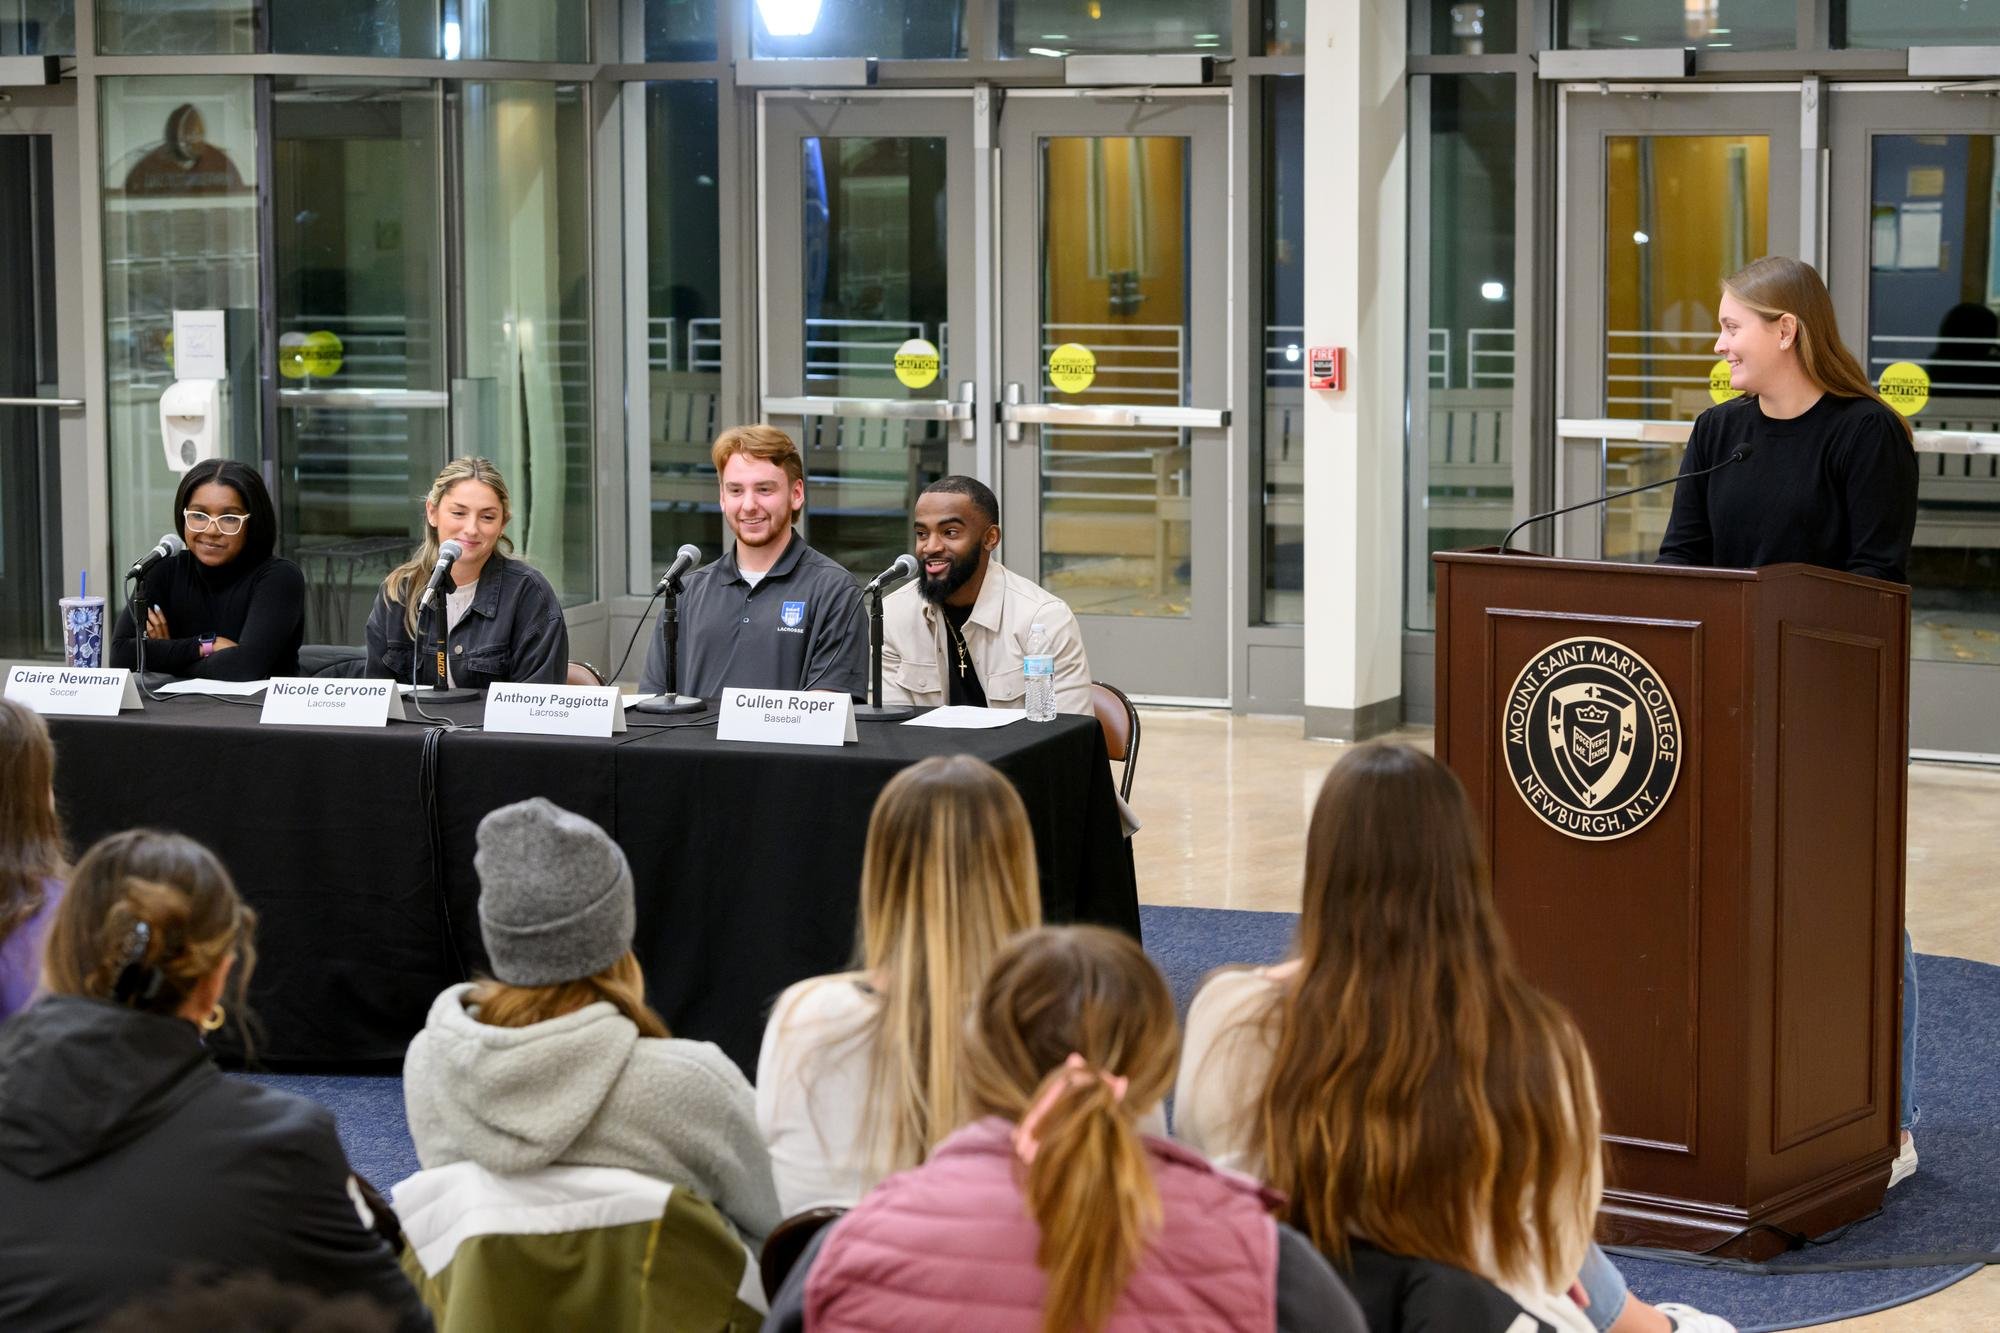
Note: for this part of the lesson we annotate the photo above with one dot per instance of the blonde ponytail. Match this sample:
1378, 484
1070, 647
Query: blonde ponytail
1073, 1038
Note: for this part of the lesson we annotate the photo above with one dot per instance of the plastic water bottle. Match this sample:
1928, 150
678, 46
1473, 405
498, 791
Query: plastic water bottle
1038, 670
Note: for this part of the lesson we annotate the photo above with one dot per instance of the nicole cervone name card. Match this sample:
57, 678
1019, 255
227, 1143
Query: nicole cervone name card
312, 701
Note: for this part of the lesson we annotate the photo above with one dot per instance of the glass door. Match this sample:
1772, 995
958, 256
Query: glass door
361, 400
1666, 192
1914, 267
867, 256
41, 373
1115, 405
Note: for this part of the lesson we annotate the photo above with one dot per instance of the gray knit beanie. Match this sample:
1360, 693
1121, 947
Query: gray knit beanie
555, 895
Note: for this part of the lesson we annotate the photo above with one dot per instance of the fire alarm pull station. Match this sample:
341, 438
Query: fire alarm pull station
1326, 368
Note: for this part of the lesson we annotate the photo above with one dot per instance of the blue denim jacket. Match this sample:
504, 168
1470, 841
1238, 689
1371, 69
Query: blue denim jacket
514, 633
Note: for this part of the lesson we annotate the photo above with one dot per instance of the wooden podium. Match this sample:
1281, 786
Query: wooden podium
1693, 783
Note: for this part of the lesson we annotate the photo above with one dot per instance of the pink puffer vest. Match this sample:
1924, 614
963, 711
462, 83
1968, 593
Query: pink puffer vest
950, 1245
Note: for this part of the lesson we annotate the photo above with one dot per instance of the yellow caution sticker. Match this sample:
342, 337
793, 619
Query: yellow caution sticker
1072, 367
1718, 383
322, 353
1905, 386
917, 364
292, 355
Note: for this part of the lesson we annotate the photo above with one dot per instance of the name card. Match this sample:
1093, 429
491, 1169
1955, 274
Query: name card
789, 717
555, 710
317, 701
73, 691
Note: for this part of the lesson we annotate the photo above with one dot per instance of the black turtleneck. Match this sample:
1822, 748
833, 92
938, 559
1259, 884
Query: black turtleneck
259, 604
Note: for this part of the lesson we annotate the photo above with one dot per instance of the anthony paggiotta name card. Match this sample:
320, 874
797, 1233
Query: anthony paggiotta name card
555, 710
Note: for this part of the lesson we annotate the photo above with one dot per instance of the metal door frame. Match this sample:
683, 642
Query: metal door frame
1777, 110
1215, 534
52, 112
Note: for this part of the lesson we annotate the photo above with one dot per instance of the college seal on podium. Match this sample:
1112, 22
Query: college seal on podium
1592, 738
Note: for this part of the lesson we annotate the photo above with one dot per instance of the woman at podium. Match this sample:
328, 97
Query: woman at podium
1829, 476
492, 618
1833, 479
227, 607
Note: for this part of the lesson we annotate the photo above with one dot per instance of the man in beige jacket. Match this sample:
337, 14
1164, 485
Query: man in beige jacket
957, 633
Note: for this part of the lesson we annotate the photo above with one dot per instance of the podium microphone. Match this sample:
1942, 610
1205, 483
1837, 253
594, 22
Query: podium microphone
170, 545
448, 554
1742, 454
905, 566
684, 559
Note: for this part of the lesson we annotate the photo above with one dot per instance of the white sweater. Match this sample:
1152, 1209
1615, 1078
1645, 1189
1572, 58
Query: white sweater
1225, 1063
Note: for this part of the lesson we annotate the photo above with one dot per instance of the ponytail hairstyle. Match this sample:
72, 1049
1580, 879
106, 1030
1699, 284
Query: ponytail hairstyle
147, 917
412, 573
1073, 1036
31, 840
1777, 285
502, 1004
948, 874
1422, 1095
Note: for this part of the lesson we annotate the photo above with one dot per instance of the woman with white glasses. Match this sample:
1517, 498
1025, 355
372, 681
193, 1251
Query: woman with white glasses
226, 608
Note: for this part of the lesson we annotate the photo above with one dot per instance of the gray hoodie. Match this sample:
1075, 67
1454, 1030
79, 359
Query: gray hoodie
587, 1090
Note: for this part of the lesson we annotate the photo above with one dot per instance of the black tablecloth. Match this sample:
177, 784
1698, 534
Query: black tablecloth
747, 858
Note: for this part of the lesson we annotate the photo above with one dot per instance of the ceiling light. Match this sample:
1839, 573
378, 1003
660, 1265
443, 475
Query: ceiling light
789, 18
1640, 237
1044, 51
1492, 291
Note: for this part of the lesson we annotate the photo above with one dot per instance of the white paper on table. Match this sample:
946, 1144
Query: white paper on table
968, 717
234, 688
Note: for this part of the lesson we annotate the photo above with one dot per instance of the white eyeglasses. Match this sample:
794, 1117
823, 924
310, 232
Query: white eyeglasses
226, 524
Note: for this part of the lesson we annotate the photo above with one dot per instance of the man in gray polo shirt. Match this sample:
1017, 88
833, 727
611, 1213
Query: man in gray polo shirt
773, 614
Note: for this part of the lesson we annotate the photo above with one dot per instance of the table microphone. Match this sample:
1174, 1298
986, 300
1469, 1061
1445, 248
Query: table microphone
906, 565
448, 554
684, 559
1742, 454
170, 545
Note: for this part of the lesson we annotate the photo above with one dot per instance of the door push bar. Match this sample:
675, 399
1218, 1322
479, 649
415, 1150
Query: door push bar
1015, 413
957, 409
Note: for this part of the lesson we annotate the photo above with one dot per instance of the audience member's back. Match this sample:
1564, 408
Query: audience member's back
859, 1074
1052, 1211
125, 1155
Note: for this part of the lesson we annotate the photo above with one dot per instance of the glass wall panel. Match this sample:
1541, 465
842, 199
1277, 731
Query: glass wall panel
176, 27
31, 567
875, 278
1462, 435
885, 29
38, 28
523, 395
670, 29
1283, 456
1116, 501
1285, 27
1471, 27
1896, 23
683, 316
357, 230
180, 233
1682, 212
1745, 25
1094, 27
1934, 301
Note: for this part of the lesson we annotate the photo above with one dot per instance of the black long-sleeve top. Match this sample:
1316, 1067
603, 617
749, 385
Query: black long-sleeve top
260, 605
1835, 486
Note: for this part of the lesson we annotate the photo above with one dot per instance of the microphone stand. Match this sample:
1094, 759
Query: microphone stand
1741, 454
875, 710
671, 700
136, 603
440, 694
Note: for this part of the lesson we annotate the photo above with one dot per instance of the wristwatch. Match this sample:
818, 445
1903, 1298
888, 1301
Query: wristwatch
207, 642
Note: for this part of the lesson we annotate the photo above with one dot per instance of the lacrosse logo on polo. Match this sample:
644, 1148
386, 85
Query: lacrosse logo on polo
1592, 738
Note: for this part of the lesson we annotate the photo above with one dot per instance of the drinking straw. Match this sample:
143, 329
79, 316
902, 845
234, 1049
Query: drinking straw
83, 584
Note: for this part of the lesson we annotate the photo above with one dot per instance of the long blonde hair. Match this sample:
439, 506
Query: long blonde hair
1075, 1027
402, 580
1777, 285
948, 876
1422, 1094
501, 1004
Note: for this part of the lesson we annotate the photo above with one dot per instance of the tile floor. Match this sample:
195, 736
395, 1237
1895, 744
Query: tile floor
1225, 802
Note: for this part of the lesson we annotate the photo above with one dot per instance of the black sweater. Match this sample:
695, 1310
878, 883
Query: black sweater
261, 606
1835, 487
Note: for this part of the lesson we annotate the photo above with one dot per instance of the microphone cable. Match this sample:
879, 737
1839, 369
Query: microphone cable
427, 797
618, 673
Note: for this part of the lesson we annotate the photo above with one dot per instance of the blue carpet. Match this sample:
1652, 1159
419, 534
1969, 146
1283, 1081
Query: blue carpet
1952, 1203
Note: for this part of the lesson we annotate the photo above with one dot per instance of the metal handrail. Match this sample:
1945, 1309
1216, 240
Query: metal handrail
364, 398
1113, 414
41, 402
895, 409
